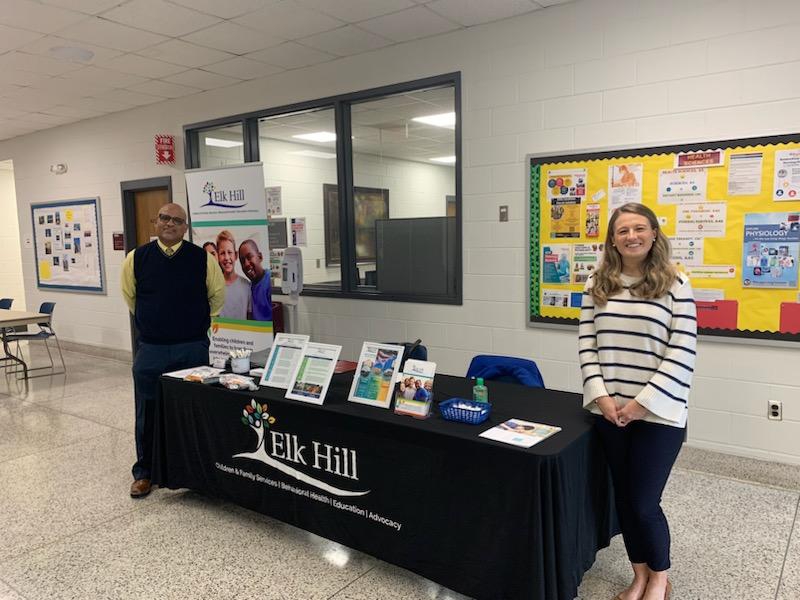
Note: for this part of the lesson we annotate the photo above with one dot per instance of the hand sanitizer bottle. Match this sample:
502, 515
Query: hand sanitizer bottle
479, 391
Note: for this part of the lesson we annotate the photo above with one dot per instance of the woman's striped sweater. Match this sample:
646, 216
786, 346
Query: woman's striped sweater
643, 350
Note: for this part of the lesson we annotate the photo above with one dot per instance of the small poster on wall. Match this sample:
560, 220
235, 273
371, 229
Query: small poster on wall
771, 248
67, 244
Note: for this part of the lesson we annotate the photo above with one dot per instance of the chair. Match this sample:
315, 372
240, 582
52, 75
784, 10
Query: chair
506, 368
45, 332
6, 303
414, 350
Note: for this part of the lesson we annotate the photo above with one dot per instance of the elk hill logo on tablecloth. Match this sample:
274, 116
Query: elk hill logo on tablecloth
277, 448
223, 198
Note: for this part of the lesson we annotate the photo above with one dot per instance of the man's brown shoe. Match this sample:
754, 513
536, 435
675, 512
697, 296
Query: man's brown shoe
140, 488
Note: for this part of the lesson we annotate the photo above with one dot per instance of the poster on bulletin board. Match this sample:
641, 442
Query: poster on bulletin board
67, 240
730, 208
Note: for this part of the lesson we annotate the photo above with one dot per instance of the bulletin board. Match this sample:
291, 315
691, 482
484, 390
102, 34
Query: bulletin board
67, 240
730, 208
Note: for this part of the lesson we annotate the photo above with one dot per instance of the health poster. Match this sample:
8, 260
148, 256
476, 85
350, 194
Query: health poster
566, 183
687, 250
556, 260
682, 185
565, 217
624, 184
786, 186
771, 244
592, 220
585, 259
701, 219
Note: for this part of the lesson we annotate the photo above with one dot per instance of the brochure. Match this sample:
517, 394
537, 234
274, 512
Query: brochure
285, 353
415, 388
520, 433
313, 373
376, 374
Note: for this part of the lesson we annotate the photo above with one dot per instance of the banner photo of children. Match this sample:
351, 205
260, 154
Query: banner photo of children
242, 253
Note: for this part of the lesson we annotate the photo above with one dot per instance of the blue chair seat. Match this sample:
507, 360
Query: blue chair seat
506, 368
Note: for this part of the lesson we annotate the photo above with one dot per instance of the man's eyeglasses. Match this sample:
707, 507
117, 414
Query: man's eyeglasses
166, 219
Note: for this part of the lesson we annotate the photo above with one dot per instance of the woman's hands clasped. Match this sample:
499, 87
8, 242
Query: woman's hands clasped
632, 411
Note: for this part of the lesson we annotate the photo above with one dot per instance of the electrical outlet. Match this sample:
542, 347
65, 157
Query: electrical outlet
774, 410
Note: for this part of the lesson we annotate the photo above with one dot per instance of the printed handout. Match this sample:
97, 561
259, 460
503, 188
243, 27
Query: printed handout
286, 352
520, 433
312, 376
376, 374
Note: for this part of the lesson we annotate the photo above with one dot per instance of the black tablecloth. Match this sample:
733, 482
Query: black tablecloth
483, 518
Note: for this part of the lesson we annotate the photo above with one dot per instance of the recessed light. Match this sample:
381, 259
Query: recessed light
313, 154
71, 54
447, 120
444, 159
319, 136
223, 143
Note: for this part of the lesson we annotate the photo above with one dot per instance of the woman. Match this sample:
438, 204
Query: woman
637, 339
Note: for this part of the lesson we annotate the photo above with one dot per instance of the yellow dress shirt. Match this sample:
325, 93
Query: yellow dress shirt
215, 282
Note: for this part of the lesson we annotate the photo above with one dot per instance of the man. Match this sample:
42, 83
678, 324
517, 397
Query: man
237, 293
172, 287
260, 286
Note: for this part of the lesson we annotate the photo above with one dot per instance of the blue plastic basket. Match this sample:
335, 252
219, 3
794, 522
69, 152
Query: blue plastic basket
464, 415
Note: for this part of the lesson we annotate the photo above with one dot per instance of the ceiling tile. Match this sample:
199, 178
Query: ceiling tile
129, 97
39, 118
10, 113
551, 2
228, 9
346, 41
37, 17
243, 68
289, 20
291, 56
104, 106
184, 53
9, 77
43, 45
233, 38
160, 17
200, 79
111, 35
27, 100
12, 38
352, 11
409, 24
474, 12
62, 88
165, 89
139, 65
35, 64
78, 112
113, 79
90, 7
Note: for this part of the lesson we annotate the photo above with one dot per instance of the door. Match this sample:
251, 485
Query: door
141, 201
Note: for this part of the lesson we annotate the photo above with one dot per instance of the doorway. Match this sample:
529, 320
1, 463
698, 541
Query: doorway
141, 201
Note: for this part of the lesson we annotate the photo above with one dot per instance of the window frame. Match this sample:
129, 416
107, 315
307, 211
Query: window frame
350, 286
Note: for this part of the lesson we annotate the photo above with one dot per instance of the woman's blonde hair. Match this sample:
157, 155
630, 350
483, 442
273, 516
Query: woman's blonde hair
659, 273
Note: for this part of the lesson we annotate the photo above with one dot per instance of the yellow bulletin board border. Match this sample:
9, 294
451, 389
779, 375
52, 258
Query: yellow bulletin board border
759, 308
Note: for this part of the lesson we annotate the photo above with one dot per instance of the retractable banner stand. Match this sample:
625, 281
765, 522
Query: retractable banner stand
228, 211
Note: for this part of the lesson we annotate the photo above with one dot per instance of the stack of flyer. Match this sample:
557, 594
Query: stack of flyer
415, 389
520, 433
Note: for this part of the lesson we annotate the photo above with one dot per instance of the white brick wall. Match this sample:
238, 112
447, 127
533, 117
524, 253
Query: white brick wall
584, 74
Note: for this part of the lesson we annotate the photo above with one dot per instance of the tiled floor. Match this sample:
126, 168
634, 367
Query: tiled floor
68, 528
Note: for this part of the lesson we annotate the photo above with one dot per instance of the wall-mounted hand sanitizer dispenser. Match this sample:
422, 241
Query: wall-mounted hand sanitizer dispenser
292, 271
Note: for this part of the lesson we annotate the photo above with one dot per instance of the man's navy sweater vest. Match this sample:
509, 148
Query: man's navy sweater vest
171, 295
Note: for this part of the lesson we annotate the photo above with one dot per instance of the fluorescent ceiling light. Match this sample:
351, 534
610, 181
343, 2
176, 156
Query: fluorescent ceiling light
444, 159
314, 154
223, 143
447, 120
319, 136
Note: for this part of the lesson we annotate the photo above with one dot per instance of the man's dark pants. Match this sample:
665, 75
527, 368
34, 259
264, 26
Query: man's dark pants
151, 361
